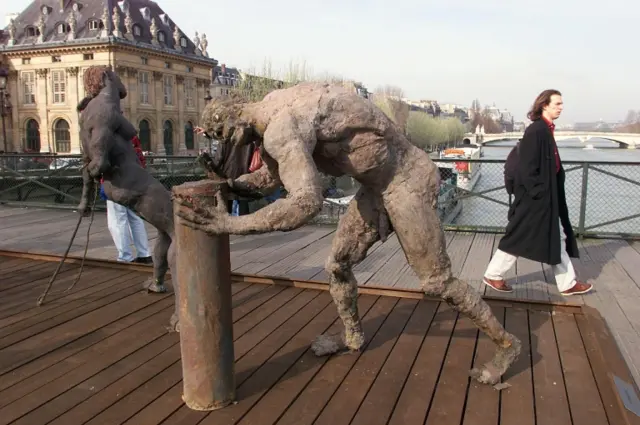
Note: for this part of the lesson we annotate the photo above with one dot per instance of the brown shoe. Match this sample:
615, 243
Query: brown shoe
498, 285
578, 288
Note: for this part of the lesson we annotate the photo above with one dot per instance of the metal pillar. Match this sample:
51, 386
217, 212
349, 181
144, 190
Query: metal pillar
203, 271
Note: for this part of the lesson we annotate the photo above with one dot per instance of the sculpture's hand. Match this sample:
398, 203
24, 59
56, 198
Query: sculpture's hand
209, 219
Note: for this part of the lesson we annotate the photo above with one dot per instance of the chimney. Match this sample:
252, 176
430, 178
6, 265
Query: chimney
223, 68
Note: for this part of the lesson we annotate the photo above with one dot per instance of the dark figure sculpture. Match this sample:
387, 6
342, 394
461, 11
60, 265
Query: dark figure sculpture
105, 134
315, 126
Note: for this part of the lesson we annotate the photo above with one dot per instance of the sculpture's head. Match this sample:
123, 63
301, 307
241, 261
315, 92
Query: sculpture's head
100, 77
223, 119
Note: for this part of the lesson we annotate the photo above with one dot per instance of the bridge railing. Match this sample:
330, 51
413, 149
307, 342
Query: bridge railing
603, 197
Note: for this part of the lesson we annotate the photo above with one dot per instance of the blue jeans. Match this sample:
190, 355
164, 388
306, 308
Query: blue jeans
124, 224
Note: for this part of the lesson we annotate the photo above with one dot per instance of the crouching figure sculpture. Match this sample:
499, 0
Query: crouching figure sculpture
106, 141
314, 127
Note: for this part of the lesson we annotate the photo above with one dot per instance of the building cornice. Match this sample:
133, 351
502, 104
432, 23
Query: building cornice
89, 46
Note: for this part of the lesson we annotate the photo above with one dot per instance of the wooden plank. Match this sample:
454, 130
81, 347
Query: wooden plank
517, 401
312, 400
584, 398
378, 405
551, 403
345, 402
415, 400
477, 260
606, 362
448, 401
483, 401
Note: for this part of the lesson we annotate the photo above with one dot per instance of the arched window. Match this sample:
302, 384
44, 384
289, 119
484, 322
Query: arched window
188, 135
33, 136
62, 136
168, 137
145, 135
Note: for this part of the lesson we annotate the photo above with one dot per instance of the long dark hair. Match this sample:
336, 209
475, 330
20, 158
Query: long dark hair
543, 99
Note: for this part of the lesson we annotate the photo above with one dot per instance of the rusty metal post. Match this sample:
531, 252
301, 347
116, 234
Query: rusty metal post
203, 268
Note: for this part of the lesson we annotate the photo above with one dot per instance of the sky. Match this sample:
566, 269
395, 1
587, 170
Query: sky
501, 52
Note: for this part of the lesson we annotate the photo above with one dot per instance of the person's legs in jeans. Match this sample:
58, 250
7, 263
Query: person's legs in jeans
139, 234
119, 228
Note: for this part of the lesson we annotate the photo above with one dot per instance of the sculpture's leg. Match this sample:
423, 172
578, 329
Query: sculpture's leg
88, 187
160, 263
357, 231
411, 209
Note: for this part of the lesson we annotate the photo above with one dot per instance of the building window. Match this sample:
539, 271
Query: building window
94, 25
137, 31
168, 89
144, 132
88, 56
143, 84
183, 42
61, 29
58, 86
189, 69
30, 31
56, 59
29, 87
26, 61
190, 92
33, 136
188, 135
62, 136
144, 60
168, 137
161, 37
167, 65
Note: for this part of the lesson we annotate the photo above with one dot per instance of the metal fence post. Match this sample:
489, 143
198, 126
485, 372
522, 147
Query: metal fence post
583, 199
203, 274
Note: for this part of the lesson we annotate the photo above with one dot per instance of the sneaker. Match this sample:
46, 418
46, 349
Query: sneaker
143, 260
578, 288
499, 285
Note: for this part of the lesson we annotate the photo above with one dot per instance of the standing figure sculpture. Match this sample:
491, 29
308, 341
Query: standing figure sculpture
316, 127
106, 141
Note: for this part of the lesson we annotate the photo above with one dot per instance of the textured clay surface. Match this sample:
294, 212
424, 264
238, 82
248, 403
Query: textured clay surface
106, 140
314, 127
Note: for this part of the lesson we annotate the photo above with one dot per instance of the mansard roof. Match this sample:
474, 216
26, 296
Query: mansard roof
135, 20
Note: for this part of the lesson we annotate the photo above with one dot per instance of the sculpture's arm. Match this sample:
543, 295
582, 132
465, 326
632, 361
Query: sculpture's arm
88, 187
124, 128
100, 143
263, 181
290, 143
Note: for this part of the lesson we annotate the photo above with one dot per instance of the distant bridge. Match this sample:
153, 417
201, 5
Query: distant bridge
624, 140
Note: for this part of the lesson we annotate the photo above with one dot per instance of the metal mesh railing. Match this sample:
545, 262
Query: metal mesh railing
603, 197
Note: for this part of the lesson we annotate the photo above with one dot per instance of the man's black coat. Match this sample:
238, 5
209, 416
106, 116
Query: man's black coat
540, 203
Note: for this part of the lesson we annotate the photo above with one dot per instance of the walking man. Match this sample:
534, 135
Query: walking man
539, 228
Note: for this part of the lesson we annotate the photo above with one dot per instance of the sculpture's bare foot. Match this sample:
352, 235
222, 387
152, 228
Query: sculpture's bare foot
325, 345
174, 324
83, 209
505, 355
155, 286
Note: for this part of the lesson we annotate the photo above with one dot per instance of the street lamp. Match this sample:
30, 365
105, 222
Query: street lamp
3, 87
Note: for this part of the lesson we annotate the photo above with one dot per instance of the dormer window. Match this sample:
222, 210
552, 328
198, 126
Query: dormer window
93, 25
30, 31
161, 37
164, 18
183, 42
137, 30
146, 13
61, 29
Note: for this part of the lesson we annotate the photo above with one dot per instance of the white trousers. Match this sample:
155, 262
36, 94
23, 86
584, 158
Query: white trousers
123, 225
564, 272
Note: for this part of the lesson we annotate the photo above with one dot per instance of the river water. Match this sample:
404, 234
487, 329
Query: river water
608, 198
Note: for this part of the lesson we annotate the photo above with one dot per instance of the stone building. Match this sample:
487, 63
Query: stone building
48, 46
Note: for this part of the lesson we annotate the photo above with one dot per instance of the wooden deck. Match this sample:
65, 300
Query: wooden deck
101, 355
613, 265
